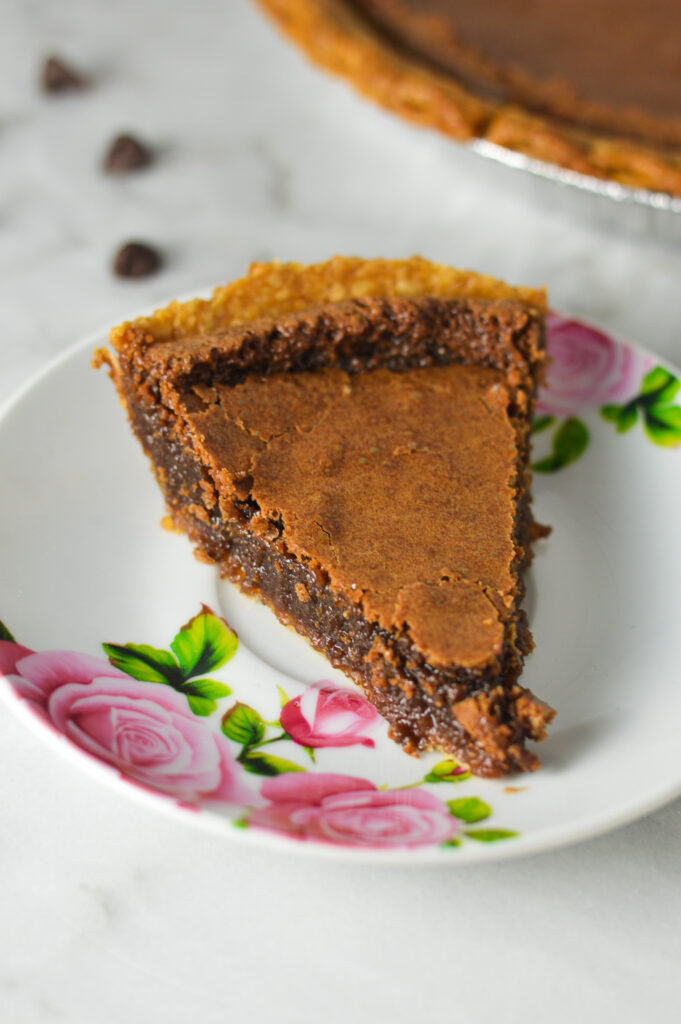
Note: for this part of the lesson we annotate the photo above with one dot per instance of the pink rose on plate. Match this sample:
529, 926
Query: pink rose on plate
588, 369
10, 653
145, 730
329, 716
352, 812
39, 674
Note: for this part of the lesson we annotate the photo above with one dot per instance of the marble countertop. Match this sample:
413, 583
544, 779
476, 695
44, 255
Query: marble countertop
110, 912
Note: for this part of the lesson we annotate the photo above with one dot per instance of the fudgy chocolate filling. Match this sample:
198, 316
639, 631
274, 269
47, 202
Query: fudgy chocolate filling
609, 64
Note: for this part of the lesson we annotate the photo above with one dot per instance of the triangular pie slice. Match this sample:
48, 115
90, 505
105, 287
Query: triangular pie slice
349, 442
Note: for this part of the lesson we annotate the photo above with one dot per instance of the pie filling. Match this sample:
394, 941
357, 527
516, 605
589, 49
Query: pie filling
609, 64
356, 472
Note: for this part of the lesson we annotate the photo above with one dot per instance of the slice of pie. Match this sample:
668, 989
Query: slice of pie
349, 442
590, 85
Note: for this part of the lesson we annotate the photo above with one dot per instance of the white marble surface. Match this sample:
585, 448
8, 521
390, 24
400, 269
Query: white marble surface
108, 912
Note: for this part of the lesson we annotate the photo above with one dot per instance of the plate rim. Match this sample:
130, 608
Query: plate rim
554, 838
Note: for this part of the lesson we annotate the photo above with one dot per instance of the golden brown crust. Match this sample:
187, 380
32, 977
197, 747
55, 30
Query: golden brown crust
276, 289
340, 41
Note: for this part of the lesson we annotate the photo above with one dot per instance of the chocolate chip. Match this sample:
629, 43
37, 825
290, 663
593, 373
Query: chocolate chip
61, 77
136, 260
126, 153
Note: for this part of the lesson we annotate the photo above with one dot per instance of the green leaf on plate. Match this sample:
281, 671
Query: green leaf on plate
205, 644
622, 416
448, 843
207, 688
489, 835
201, 705
445, 767
659, 387
243, 725
550, 464
611, 413
469, 809
266, 764
542, 423
148, 664
240, 823
283, 696
569, 443
448, 770
627, 418
5, 633
663, 425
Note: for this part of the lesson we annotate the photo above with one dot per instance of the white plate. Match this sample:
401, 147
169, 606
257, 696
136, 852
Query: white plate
84, 561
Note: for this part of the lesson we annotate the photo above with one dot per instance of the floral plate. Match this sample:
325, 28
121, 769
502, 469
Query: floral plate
124, 651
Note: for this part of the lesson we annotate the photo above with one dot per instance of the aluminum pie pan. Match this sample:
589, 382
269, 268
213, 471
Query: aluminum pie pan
639, 211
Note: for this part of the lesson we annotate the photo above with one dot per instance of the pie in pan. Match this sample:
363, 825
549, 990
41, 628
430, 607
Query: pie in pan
590, 85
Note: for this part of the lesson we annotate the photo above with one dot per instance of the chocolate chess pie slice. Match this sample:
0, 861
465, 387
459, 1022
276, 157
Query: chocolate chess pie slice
349, 442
